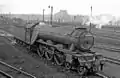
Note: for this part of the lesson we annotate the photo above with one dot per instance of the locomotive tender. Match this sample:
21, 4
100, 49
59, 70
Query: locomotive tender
71, 50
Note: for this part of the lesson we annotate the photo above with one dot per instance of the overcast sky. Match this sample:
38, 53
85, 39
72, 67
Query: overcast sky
72, 6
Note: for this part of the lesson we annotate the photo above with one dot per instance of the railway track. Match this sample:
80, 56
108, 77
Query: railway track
107, 36
109, 59
5, 75
108, 49
12, 72
112, 60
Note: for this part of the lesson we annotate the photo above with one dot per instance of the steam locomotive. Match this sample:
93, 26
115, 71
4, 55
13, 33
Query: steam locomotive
69, 48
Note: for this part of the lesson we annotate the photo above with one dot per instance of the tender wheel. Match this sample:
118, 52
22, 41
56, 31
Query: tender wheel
81, 70
68, 65
49, 54
41, 51
59, 59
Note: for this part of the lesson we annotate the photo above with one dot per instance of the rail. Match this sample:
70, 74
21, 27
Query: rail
25, 73
103, 75
112, 60
5, 74
108, 49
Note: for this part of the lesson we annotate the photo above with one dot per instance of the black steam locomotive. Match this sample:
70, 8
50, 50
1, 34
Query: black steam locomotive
70, 48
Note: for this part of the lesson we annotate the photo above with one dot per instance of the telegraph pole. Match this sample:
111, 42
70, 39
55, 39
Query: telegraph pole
91, 11
91, 18
51, 14
51, 7
43, 14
